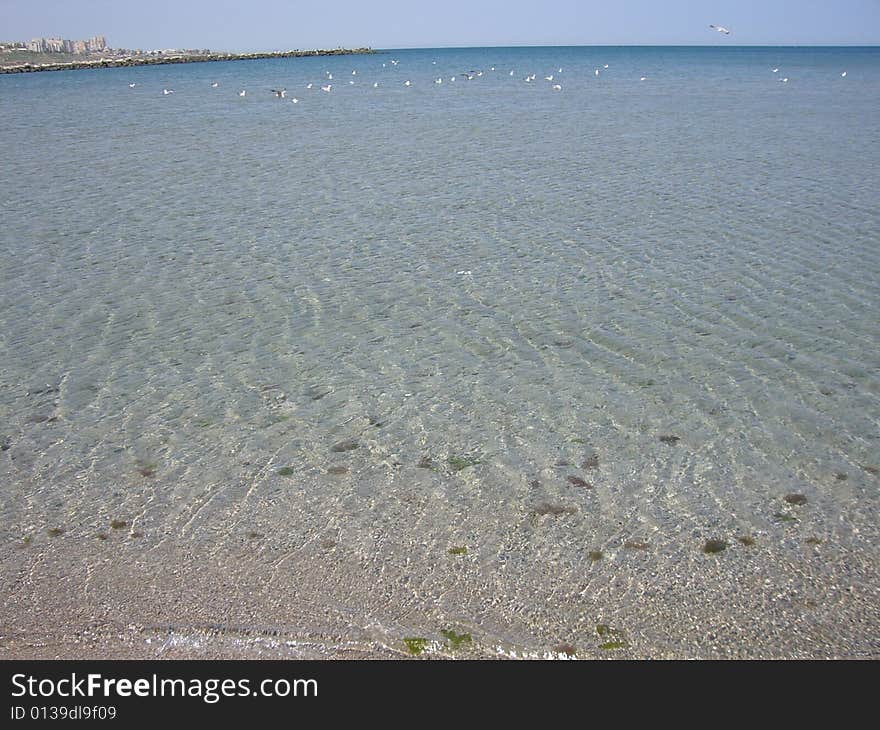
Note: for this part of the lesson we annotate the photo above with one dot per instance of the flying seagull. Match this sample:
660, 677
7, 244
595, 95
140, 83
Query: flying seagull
720, 29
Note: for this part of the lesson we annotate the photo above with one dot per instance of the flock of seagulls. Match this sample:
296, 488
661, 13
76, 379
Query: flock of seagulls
467, 76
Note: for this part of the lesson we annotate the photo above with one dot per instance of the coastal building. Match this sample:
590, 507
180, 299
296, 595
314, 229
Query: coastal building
62, 45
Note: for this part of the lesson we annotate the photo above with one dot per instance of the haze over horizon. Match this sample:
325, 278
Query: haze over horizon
278, 25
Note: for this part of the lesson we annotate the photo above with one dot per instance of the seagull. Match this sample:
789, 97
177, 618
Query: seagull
549, 78
510, 74
279, 93
556, 87
605, 66
309, 85
785, 80
354, 73
452, 79
775, 70
438, 81
843, 76
242, 93
167, 91
294, 100
327, 88
329, 76
407, 83
375, 84
720, 29
643, 78
214, 85
394, 63
597, 72
351, 82
383, 65
131, 86
559, 70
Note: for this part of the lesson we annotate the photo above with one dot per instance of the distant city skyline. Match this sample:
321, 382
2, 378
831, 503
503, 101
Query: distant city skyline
238, 25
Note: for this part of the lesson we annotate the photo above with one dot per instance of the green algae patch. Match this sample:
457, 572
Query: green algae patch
118, 524
457, 463
782, 517
613, 638
415, 645
285, 471
456, 640
714, 546
457, 550
611, 645
596, 555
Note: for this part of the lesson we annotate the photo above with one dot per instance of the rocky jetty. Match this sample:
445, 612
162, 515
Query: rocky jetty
158, 60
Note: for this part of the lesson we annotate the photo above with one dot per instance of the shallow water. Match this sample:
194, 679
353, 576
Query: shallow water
470, 289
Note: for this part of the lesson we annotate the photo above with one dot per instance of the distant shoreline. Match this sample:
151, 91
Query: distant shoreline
182, 58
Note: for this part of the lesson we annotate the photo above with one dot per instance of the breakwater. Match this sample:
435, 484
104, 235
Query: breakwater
182, 58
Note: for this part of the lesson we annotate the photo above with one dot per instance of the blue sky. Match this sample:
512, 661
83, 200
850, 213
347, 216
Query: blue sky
283, 24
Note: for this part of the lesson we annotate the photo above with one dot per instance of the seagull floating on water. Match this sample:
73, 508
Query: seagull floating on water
775, 70
843, 75
375, 84
131, 86
407, 83
327, 88
549, 78
214, 85
556, 87
720, 29
279, 93
294, 100
167, 91
394, 63
596, 72
309, 86
643, 78
438, 81
605, 66
242, 93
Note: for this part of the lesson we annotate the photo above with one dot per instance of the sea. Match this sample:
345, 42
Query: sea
571, 351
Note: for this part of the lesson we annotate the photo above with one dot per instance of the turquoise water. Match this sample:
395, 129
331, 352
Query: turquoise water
470, 289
